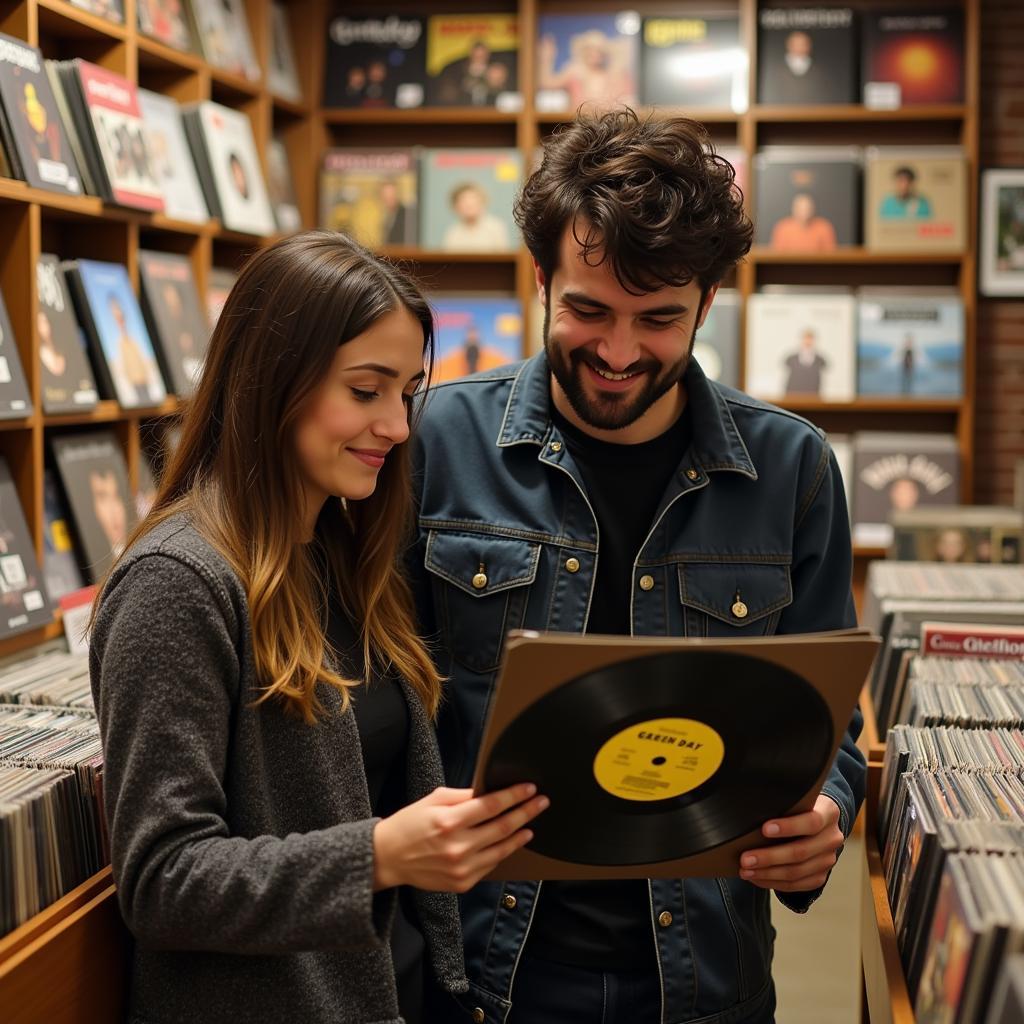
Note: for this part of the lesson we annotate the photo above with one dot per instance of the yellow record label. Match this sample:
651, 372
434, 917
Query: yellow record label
659, 759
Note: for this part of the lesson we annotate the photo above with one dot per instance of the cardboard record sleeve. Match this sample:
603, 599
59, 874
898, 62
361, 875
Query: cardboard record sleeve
663, 757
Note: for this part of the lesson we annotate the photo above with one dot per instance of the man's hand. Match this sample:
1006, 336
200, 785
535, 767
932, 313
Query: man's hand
803, 863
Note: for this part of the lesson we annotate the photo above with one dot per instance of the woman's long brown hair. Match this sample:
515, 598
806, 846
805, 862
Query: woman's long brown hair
234, 470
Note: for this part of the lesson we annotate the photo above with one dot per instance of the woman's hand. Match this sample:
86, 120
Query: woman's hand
450, 839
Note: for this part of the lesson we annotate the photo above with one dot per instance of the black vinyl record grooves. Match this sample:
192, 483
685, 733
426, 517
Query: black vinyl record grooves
769, 732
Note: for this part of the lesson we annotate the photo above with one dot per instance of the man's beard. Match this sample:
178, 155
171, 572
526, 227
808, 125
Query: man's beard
614, 410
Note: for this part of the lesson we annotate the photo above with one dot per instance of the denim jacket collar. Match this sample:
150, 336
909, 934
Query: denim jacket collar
717, 442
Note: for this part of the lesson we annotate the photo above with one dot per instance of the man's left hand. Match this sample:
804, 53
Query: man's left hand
803, 863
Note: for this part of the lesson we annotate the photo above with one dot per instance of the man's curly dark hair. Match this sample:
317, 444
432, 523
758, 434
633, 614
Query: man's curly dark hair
650, 196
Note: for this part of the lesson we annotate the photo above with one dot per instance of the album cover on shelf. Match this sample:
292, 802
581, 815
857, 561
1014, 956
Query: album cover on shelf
842, 448
171, 158
166, 21
61, 573
224, 35
664, 774
737, 156
282, 74
95, 479
122, 352
958, 533
37, 145
716, 345
281, 188
112, 10
475, 333
473, 61
376, 62
145, 490
807, 55
910, 342
108, 123
899, 471
808, 197
23, 602
230, 172
801, 345
972, 642
912, 57
466, 199
67, 382
371, 194
915, 199
170, 302
15, 400
587, 58
694, 62
219, 283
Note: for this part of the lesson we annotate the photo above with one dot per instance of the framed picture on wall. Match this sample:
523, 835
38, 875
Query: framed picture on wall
1001, 266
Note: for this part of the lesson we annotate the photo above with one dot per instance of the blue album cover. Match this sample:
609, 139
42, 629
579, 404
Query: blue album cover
475, 334
126, 348
587, 58
910, 345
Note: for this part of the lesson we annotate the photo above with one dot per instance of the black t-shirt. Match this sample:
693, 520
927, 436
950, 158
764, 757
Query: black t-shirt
382, 718
607, 925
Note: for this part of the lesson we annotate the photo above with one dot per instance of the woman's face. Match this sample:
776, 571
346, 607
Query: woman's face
361, 410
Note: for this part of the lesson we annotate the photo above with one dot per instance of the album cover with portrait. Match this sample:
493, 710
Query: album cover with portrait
176, 321
225, 151
475, 333
166, 21
171, 158
371, 194
61, 572
801, 345
282, 74
912, 57
67, 383
716, 346
466, 199
281, 188
807, 197
223, 30
694, 62
15, 399
807, 55
37, 145
122, 352
587, 58
376, 61
678, 750
111, 129
219, 283
23, 600
915, 199
473, 60
896, 471
737, 156
112, 10
910, 342
94, 475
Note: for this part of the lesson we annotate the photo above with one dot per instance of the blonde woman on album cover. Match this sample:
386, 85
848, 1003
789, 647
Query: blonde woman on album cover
281, 842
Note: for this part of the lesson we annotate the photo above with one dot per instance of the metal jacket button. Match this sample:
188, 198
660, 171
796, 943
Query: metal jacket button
572, 565
478, 1015
480, 580
508, 901
556, 446
664, 919
739, 609
692, 474
646, 582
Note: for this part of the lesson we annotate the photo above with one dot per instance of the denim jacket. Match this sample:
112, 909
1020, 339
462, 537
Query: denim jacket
507, 539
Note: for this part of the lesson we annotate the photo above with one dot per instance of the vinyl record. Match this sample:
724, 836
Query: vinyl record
664, 756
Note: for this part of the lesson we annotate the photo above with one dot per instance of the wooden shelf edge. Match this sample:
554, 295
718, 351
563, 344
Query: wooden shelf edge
869, 404
52, 915
418, 115
852, 254
853, 112
186, 61
77, 19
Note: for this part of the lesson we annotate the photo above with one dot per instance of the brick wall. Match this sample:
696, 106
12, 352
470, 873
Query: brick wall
999, 434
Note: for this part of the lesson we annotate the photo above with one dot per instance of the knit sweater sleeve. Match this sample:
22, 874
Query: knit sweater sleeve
167, 678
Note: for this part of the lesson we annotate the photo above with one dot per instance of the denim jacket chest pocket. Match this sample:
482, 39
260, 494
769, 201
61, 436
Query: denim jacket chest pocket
735, 598
481, 585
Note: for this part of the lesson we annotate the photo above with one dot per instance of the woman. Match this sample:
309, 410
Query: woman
270, 775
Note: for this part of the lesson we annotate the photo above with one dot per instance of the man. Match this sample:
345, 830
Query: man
606, 486
905, 202
806, 366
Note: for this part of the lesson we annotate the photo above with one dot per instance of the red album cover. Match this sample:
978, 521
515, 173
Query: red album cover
913, 57
971, 640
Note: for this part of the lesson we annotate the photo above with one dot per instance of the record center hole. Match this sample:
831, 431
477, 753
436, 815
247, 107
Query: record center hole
657, 760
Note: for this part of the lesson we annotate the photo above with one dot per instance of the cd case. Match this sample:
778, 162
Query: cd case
663, 757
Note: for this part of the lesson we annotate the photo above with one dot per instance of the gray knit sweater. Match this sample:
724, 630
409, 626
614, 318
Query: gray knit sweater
241, 838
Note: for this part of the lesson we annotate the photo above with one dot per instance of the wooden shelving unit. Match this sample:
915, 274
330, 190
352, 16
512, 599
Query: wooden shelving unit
72, 955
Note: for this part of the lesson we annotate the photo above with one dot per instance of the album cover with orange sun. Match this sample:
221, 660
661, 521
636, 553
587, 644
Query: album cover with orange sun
913, 58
